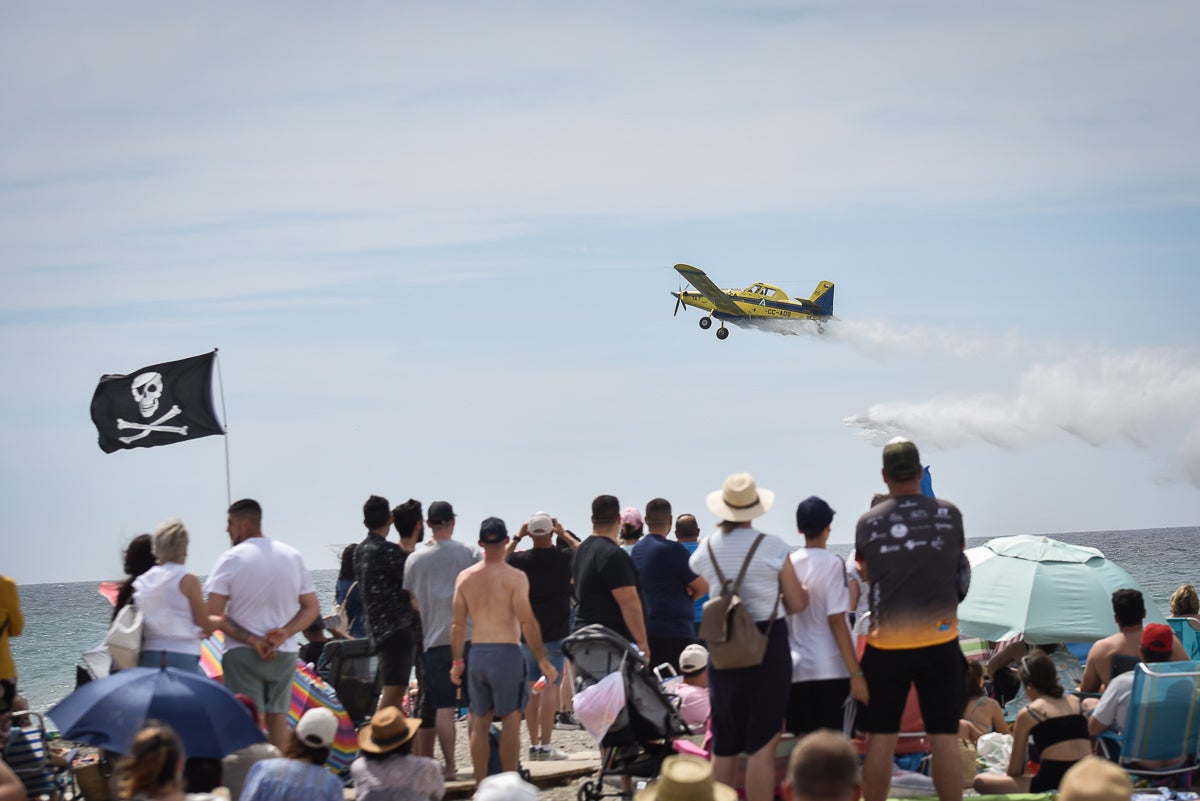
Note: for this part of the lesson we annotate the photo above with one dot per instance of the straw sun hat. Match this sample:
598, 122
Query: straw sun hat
686, 778
740, 499
388, 730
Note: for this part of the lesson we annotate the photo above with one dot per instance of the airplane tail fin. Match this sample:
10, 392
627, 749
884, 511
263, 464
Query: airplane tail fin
823, 297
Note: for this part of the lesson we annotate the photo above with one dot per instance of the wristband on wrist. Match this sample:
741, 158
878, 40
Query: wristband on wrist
856, 674
457, 663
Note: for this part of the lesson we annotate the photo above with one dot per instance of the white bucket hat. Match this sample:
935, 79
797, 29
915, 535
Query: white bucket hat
740, 499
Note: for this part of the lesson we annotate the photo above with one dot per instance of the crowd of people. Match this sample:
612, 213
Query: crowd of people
480, 622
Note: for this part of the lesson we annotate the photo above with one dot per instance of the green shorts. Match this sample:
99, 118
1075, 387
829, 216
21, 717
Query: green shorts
269, 683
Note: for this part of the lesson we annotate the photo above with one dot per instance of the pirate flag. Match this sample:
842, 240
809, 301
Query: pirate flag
158, 405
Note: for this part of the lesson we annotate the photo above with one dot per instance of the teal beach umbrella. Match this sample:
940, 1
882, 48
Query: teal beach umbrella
1042, 589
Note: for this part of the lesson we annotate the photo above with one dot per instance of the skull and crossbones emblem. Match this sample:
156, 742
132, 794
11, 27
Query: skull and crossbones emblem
147, 390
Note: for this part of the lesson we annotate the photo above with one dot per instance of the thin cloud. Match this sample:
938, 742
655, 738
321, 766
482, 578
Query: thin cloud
398, 127
1143, 398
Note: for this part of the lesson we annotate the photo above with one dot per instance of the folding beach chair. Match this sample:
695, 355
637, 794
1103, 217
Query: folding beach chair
354, 675
1164, 720
1187, 635
974, 649
28, 755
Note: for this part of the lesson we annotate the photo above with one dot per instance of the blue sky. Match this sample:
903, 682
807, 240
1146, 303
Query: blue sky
433, 244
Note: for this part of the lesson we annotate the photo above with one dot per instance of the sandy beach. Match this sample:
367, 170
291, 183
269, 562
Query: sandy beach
578, 744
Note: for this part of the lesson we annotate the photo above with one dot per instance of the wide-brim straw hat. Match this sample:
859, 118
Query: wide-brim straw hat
686, 778
740, 499
388, 730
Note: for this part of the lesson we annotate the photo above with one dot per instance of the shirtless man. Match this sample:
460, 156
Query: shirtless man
495, 596
1129, 610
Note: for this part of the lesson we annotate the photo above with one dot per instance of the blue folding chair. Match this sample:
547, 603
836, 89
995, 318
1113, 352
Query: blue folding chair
1187, 635
28, 755
1164, 720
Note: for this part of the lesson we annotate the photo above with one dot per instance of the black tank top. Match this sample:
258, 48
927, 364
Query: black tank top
1052, 731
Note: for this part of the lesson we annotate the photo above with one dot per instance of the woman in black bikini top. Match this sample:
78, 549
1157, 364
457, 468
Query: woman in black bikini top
1054, 723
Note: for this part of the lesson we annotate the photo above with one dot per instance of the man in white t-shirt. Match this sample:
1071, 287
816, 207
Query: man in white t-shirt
825, 671
265, 596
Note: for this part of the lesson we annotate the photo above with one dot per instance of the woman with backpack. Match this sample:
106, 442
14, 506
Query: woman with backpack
738, 560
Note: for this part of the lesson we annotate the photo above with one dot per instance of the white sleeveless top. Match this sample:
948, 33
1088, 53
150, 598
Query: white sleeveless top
167, 615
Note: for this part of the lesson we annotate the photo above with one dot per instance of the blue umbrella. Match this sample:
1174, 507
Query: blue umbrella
108, 712
1044, 590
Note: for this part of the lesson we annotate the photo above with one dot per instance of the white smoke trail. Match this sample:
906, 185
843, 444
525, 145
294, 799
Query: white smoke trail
881, 340
1148, 398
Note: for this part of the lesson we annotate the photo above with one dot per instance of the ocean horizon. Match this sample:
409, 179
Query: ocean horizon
64, 619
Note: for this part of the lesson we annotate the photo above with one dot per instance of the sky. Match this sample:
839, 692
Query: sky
433, 245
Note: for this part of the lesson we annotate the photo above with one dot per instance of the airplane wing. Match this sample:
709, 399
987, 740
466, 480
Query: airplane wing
708, 289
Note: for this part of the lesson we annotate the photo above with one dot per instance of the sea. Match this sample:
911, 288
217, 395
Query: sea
63, 620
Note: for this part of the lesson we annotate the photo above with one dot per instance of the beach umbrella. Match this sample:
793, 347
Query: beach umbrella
309, 691
212, 648
108, 712
1044, 590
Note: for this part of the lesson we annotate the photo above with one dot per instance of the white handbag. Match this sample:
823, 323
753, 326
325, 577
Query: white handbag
124, 638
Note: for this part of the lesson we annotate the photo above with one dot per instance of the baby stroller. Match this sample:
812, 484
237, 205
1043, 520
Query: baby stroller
643, 732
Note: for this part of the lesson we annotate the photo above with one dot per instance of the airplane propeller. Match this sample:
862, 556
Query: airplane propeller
679, 299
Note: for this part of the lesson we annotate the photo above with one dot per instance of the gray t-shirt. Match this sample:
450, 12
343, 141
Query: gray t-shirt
429, 575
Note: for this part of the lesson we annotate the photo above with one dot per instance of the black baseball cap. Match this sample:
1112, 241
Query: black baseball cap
440, 512
493, 531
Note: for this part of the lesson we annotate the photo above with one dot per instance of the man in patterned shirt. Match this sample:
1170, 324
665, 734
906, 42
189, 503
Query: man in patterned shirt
908, 548
379, 570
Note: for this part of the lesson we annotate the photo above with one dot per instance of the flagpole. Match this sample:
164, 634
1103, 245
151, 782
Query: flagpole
225, 422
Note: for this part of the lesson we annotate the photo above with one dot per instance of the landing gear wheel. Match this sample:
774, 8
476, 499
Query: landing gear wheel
722, 333
706, 323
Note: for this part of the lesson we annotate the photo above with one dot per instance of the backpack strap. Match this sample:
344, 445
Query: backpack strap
741, 573
778, 595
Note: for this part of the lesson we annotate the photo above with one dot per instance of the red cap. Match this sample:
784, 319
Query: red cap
1158, 638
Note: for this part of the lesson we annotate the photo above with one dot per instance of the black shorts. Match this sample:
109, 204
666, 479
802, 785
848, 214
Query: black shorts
396, 658
816, 705
442, 692
422, 708
939, 673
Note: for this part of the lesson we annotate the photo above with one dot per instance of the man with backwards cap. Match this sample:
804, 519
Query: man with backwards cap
549, 572
429, 575
825, 670
494, 595
695, 706
908, 547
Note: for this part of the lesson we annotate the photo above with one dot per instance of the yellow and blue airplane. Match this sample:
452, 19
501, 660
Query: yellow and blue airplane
757, 301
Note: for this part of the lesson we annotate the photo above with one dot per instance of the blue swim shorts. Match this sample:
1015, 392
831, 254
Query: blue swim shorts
496, 678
